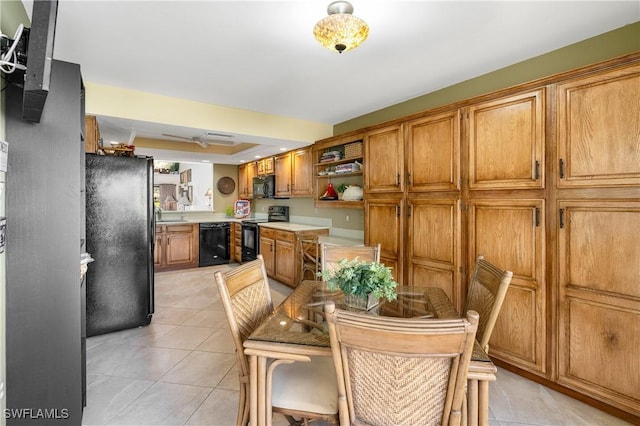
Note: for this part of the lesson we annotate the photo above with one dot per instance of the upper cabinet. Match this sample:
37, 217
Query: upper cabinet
599, 129
293, 174
339, 162
266, 166
384, 155
433, 152
91, 134
506, 142
246, 173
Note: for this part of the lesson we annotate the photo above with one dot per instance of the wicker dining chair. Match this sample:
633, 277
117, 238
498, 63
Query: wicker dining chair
400, 371
307, 390
309, 250
332, 254
486, 294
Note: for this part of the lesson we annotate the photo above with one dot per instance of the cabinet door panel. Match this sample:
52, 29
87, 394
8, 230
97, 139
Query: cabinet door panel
179, 248
384, 160
433, 153
267, 250
301, 173
283, 175
506, 234
285, 262
434, 245
599, 300
384, 225
599, 129
506, 142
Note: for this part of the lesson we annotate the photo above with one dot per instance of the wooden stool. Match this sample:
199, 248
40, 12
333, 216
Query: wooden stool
309, 256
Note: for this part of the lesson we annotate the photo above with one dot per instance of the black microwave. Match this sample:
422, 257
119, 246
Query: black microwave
264, 186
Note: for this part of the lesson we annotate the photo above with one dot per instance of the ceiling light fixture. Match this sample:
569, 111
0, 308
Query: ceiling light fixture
341, 30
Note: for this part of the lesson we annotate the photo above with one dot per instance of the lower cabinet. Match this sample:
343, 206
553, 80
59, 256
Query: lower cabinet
176, 247
599, 300
236, 242
279, 251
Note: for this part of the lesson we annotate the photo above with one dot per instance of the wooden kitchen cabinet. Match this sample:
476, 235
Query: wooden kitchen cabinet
599, 300
285, 259
266, 166
428, 138
506, 142
246, 173
91, 134
434, 255
384, 224
176, 247
598, 130
281, 258
268, 249
510, 233
236, 248
293, 174
384, 157
351, 150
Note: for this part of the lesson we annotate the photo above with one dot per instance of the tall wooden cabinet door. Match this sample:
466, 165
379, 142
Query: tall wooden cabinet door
433, 153
511, 235
506, 142
268, 252
599, 300
301, 173
384, 224
599, 129
283, 175
384, 160
252, 171
243, 188
434, 246
285, 262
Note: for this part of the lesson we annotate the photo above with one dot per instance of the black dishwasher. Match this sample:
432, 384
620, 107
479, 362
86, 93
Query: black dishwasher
214, 243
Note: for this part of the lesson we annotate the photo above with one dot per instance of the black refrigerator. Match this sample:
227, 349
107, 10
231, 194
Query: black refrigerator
120, 237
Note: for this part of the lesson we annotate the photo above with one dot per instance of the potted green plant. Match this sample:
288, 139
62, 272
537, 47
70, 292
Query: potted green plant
363, 283
341, 188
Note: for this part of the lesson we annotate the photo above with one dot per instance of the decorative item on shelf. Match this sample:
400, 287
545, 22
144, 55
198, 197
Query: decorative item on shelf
183, 202
330, 193
363, 283
341, 189
208, 196
330, 156
341, 30
353, 150
353, 193
169, 203
118, 149
242, 208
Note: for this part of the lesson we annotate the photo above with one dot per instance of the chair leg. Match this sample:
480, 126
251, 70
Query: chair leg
294, 422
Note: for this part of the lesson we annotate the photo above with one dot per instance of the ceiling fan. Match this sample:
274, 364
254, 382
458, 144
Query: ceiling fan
206, 139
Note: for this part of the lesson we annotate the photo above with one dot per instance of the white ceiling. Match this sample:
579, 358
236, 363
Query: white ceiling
262, 56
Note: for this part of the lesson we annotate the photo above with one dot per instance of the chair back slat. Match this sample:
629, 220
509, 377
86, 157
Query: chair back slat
486, 295
406, 372
331, 255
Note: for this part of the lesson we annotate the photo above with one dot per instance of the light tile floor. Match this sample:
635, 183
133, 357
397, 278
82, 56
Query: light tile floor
180, 370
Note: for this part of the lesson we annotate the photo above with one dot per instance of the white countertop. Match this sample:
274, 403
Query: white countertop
294, 227
340, 241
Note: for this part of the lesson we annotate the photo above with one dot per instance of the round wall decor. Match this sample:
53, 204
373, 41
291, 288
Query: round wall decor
226, 185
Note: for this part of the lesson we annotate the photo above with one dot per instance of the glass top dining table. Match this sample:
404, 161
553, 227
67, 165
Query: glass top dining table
297, 328
298, 320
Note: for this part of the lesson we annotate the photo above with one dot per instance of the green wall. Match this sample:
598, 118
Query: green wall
605, 46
